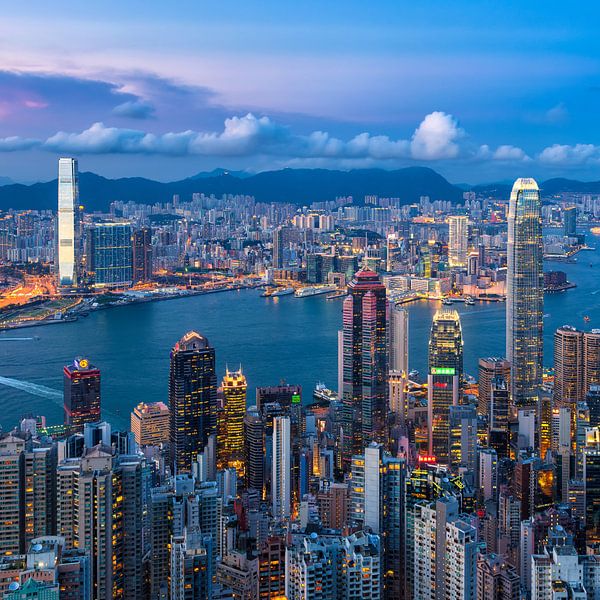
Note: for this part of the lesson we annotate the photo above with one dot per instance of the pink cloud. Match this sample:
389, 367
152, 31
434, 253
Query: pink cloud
35, 104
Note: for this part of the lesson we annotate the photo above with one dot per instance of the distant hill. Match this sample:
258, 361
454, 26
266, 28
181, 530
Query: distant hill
298, 186
548, 188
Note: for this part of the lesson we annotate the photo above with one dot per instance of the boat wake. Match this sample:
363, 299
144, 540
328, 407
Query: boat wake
33, 388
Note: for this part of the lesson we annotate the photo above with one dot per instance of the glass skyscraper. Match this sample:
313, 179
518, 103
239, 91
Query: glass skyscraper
192, 398
110, 254
444, 379
525, 292
68, 226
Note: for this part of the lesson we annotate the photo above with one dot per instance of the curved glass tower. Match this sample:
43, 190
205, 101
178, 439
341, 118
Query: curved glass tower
525, 292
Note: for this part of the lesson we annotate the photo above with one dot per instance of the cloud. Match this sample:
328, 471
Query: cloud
565, 155
134, 109
436, 137
510, 153
15, 143
557, 114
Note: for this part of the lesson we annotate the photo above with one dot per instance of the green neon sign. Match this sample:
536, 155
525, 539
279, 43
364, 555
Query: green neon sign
295, 398
443, 371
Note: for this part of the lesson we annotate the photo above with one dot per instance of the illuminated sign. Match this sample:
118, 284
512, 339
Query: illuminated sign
443, 371
295, 398
427, 458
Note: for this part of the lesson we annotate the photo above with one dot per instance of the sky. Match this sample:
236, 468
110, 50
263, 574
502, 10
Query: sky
479, 91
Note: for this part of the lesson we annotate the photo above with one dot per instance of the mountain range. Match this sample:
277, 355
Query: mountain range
297, 186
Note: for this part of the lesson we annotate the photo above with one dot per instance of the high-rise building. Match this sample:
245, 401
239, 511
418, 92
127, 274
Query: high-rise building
271, 568
142, 255
109, 254
192, 399
150, 423
365, 362
458, 240
444, 379
278, 247
254, 444
489, 369
281, 494
496, 578
568, 366
398, 339
231, 455
81, 393
525, 292
68, 222
462, 442
191, 568
591, 359
570, 221
591, 478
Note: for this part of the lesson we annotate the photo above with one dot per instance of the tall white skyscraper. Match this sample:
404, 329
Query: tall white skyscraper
68, 208
525, 292
282, 468
399, 339
458, 240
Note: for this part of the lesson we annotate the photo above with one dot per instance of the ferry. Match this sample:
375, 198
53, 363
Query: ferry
279, 292
469, 301
447, 302
322, 393
314, 290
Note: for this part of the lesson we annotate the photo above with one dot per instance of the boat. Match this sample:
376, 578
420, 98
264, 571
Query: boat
447, 302
469, 301
279, 292
586, 319
314, 290
322, 393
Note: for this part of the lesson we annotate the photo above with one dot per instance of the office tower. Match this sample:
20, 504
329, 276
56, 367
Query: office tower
192, 399
570, 221
525, 292
365, 362
591, 359
278, 247
150, 423
488, 474
592, 400
285, 395
399, 339
496, 578
109, 254
142, 255
271, 568
458, 240
462, 440
11, 492
231, 454
68, 223
568, 366
81, 393
398, 398
591, 478
254, 444
281, 469
191, 573
377, 503
489, 369
238, 572
444, 379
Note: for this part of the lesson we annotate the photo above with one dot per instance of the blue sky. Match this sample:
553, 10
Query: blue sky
479, 91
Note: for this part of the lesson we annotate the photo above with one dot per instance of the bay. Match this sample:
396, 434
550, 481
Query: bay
291, 339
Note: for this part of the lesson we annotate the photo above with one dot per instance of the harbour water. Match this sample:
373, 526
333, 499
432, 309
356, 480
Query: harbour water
272, 338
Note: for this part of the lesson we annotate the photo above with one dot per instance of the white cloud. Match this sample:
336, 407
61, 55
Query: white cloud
510, 153
15, 143
436, 137
563, 154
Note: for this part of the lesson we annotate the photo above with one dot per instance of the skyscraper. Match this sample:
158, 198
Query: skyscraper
444, 379
568, 366
68, 225
192, 398
109, 254
458, 240
141, 243
150, 423
81, 393
570, 221
281, 469
525, 292
278, 247
365, 362
254, 445
489, 369
399, 339
591, 358
234, 408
